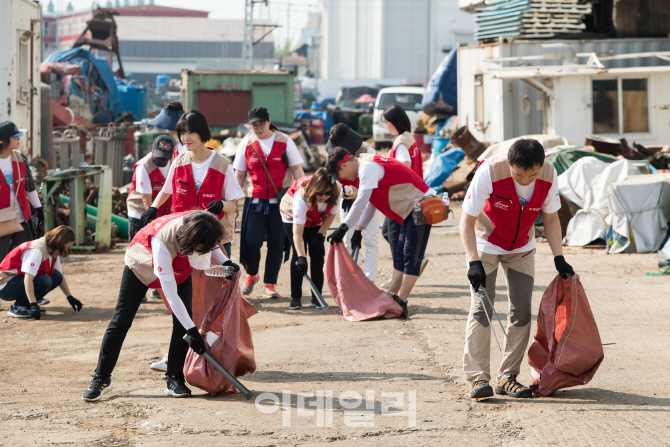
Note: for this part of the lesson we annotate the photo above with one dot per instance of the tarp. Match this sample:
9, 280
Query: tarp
588, 224
103, 98
547, 141
442, 92
442, 167
639, 213
220, 312
566, 350
353, 292
567, 157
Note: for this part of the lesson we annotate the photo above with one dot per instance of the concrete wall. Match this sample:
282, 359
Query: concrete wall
5, 58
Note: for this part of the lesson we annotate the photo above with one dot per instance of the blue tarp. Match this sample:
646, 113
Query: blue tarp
105, 100
443, 166
442, 91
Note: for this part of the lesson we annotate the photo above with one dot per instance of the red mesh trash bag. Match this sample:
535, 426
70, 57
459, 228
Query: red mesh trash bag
567, 350
218, 307
353, 292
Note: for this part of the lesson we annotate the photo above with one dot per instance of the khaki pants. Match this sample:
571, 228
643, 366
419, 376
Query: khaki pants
519, 270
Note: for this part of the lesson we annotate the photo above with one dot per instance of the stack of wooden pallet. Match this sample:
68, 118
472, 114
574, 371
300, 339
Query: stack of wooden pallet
539, 19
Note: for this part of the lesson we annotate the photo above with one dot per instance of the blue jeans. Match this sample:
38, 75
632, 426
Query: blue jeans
15, 289
407, 247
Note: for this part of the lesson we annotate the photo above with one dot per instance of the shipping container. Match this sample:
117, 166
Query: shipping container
225, 97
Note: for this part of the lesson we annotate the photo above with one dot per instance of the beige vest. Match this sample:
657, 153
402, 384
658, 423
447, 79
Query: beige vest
41, 245
139, 259
407, 139
286, 204
134, 200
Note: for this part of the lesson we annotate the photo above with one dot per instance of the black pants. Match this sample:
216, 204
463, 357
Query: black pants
14, 240
258, 225
134, 225
316, 260
130, 298
391, 232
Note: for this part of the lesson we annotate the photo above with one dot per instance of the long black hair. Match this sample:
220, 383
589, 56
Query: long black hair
397, 116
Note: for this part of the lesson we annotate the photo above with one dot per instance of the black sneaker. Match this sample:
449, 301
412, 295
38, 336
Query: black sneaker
315, 303
43, 301
295, 304
402, 303
176, 387
512, 388
99, 386
481, 389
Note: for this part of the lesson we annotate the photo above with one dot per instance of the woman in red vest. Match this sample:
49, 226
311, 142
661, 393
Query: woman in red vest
162, 255
266, 155
308, 208
17, 188
32, 270
391, 187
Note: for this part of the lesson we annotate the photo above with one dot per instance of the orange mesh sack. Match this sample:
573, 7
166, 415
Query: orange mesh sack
567, 350
434, 210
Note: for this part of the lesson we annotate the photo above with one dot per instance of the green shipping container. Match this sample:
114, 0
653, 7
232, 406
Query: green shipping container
225, 97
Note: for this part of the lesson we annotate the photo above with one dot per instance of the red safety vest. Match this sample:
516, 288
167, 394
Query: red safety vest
157, 181
313, 218
14, 260
19, 173
510, 223
262, 186
185, 196
414, 152
180, 264
406, 184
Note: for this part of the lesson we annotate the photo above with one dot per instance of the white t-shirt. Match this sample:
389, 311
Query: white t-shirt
30, 263
402, 153
481, 189
143, 184
231, 189
300, 209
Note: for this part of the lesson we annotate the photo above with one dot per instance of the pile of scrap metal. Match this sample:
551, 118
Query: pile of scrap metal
459, 180
657, 156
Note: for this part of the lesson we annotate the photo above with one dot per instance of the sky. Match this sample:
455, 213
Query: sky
276, 11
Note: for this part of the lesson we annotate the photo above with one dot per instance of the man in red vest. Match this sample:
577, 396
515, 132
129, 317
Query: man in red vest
266, 155
498, 228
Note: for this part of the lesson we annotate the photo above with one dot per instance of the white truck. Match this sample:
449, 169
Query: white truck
409, 98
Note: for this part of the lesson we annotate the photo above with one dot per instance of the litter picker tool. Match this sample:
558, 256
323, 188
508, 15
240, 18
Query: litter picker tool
316, 293
355, 254
236, 383
482, 289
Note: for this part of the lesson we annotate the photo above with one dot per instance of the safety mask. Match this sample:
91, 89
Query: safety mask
160, 162
200, 262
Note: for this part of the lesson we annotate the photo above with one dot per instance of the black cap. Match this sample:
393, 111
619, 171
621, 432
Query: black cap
351, 141
163, 147
258, 115
9, 129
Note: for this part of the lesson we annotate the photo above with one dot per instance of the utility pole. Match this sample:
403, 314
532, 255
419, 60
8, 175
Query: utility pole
248, 42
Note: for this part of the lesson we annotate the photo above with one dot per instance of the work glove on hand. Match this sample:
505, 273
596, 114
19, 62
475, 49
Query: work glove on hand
301, 265
230, 263
35, 311
149, 215
39, 212
337, 235
318, 242
74, 302
476, 275
215, 207
357, 240
196, 343
346, 205
563, 268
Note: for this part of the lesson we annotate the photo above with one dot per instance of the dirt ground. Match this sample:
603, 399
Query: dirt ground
408, 372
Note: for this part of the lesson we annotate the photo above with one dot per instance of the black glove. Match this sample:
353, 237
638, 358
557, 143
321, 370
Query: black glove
318, 242
196, 343
301, 264
230, 263
35, 311
337, 235
149, 215
357, 240
563, 268
215, 207
476, 275
39, 212
346, 205
74, 302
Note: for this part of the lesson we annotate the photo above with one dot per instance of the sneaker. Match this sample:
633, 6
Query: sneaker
249, 284
18, 312
43, 301
156, 295
402, 303
512, 388
386, 283
99, 386
315, 303
176, 387
269, 291
295, 304
161, 365
481, 389
424, 263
